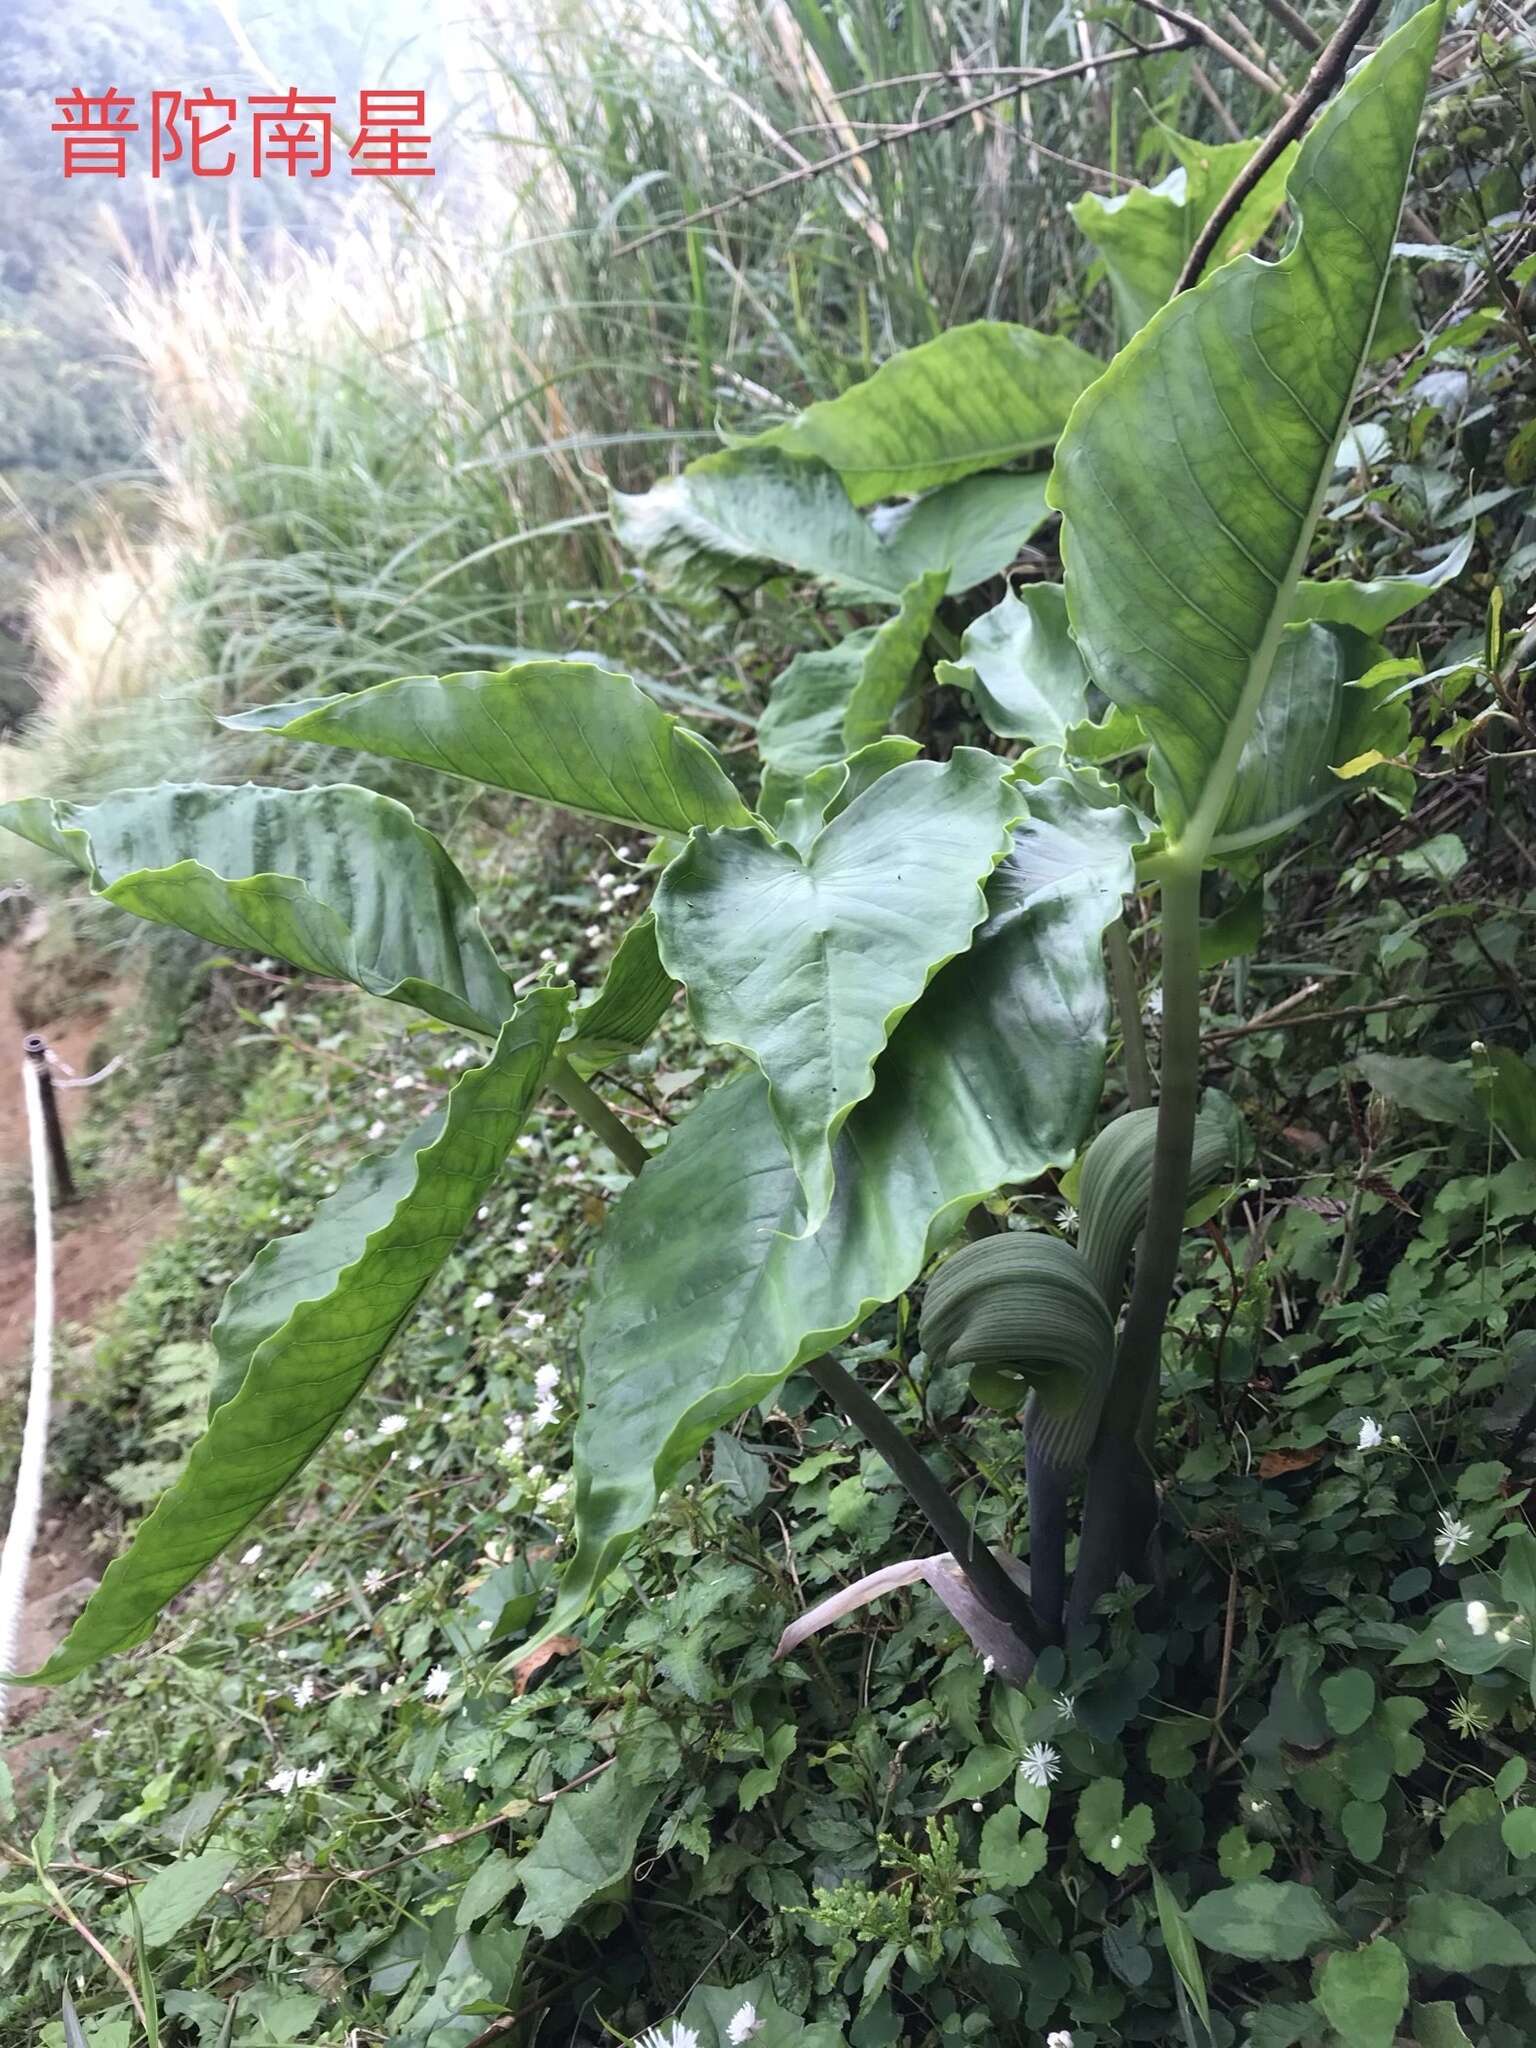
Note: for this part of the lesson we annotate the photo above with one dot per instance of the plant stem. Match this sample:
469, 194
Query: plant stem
991, 1584
565, 1082
1122, 969
1157, 1254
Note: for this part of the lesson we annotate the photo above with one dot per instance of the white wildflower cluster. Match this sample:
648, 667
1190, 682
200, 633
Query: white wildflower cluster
485, 1298
1370, 1434
743, 2024
304, 1692
1061, 2038
436, 1683
286, 1781
1455, 1536
1040, 1765
546, 1381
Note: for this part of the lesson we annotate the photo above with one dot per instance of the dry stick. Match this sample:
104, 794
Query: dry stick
1293, 24
1271, 1022
1321, 80
904, 133
1226, 1672
1218, 45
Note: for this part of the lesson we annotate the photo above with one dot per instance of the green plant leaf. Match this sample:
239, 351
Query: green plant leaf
563, 732
636, 993
1180, 1944
974, 398
1010, 1860
834, 701
174, 1896
337, 880
1191, 474
587, 1847
827, 792
1506, 1088
736, 518
1349, 1699
1239, 1858
1437, 2026
1448, 1931
1022, 666
1262, 1921
1371, 607
1114, 1838
1144, 234
1439, 1090
808, 961
311, 1317
1518, 1827
1364, 1992
994, 1074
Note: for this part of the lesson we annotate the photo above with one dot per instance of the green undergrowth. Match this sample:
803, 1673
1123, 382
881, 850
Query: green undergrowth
348, 1806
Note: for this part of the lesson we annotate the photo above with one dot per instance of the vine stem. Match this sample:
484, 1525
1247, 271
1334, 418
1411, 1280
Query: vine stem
1122, 970
990, 1583
1157, 1255
565, 1082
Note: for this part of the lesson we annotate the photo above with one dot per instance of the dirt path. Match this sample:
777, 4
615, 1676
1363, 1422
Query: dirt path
100, 1241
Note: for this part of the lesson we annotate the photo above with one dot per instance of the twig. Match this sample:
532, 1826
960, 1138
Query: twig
1218, 45
1293, 24
1271, 1022
1226, 1672
904, 133
1321, 80
67, 1913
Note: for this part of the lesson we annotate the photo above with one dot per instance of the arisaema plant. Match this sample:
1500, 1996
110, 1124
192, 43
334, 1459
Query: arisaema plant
906, 953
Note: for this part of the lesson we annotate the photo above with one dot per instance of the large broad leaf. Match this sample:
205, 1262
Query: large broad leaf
587, 1847
337, 880
1021, 664
636, 994
808, 961
974, 398
308, 1321
832, 701
1145, 234
993, 1075
1371, 607
1191, 474
799, 813
562, 731
733, 519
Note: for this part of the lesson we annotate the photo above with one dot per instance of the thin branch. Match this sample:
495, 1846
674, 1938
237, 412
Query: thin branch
1272, 1022
1321, 80
1217, 44
904, 133
1293, 24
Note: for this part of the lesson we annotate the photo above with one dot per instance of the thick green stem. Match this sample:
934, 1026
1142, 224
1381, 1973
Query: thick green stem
565, 1082
991, 1584
1157, 1254
1122, 970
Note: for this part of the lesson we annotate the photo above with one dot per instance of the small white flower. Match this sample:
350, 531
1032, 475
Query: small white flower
251, 1556
594, 931
977, 1807
674, 2036
1060, 2039
373, 1578
1501, 1635
536, 1278
393, 1424
527, 1144
546, 952
349, 1436
1064, 1708
626, 889
1114, 1841
1066, 1216
562, 967
437, 1683
1370, 1434
315, 1775
555, 1492
743, 2024
470, 1774
482, 1212
988, 1665
282, 1782
485, 1298
544, 1413
403, 1081
1040, 1765
546, 1380
533, 1317
1477, 1617
1454, 1535
626, 853
414, 1462
322, 1589
1258, 1806
304, 1692
376, 1130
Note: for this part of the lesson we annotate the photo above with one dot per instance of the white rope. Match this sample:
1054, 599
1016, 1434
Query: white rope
27, 1507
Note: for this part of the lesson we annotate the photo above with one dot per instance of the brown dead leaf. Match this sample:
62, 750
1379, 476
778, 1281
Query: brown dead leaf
1274, 1463
525, 1667
1304, 1140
